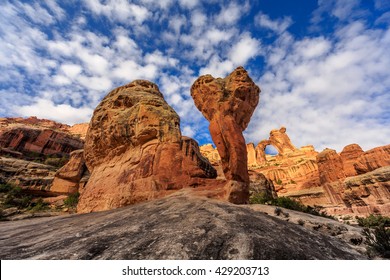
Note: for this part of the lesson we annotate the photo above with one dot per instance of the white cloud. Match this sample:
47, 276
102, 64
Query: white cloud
245, 49
230, 14
326, 90
43, 108
278, 25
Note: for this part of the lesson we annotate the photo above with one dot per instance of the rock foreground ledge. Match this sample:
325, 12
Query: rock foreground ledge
175, 227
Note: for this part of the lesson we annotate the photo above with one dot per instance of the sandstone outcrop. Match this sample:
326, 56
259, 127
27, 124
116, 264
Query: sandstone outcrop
177, 227
28, 175
135, 151
67, 178
330, 166
36, 141
280, 140
228, 105
373, 159
349, 156
250, 150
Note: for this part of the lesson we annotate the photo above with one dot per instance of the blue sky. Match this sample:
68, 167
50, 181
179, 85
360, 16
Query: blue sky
323, 66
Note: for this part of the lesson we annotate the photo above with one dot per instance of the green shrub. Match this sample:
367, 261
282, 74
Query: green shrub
377, 233
260, 198
374, 221
72, 200
301, 222
5, 188
279, 182
40, 205
378, 239
289, 203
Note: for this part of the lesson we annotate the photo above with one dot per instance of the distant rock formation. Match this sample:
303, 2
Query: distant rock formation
135, 151
35, 137
349, 155
228, 105
330, 166
280, 140
373, 159
31, 176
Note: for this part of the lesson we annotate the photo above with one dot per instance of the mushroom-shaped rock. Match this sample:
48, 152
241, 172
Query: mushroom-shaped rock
228, 105
135, 151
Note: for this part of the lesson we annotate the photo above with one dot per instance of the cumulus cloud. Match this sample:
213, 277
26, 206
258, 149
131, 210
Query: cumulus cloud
326, 90
63, 113
276, 25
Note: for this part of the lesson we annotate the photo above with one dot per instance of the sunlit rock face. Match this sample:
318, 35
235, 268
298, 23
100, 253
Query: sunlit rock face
135, 150
228, 105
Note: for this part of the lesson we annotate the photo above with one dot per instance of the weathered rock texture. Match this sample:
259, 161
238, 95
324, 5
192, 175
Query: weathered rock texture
68, 178
26, 174
135, 151
325, 178
330, 166
179, 227
280, 140
349, 155
228, 105
373, 159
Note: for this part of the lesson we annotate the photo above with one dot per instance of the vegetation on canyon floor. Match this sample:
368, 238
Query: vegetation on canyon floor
377, 234
289, 203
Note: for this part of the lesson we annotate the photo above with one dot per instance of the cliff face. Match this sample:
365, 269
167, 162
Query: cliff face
352, 182
32, 150
36, 137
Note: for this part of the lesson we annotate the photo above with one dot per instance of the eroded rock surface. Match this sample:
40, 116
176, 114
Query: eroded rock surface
135, 151
330, 166
373, 159
67, 178
177, 227
349, 156
228, 105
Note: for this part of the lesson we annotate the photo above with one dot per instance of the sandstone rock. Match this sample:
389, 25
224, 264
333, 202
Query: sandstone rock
135, 151
79, 130
38, 141
211, 153
250, 149
349, 155
373, 159
260, 152
280, 140
261, 186
67, 178
330, 166
369, 193
178, 227
228, 105
28, 175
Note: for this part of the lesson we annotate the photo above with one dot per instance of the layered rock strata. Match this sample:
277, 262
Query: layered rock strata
228, 105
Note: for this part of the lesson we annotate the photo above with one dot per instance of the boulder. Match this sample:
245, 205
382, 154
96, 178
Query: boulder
228, 105
67, 178
135, 151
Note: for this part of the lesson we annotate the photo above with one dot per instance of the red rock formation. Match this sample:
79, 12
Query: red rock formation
330, 166
349, 155
135, 151
67, 179
280, 140
260, 152
228, 105
251, 152
39, 141
373, 159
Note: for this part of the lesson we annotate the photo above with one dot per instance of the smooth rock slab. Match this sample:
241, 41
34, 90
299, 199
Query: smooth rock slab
176, 227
